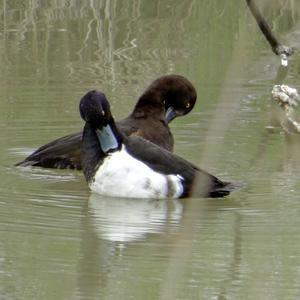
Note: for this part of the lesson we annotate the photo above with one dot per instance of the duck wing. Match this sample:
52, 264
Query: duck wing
62, 153
196, 182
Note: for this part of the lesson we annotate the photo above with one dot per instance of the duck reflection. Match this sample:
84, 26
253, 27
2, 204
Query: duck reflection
112, 226
125, 220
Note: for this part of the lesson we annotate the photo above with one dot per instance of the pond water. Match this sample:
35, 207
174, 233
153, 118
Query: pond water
59, 241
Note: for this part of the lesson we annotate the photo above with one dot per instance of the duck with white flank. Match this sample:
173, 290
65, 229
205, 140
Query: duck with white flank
166, 98
129, 166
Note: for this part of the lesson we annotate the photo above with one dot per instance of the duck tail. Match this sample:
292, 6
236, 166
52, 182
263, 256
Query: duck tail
224, 189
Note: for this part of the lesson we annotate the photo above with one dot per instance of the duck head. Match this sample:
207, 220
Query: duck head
167, 97
95, 111
179, 96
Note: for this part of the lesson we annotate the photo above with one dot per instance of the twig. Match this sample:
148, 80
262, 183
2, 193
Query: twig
282, 51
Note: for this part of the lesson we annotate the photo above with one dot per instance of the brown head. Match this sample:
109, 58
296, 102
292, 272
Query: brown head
168, 96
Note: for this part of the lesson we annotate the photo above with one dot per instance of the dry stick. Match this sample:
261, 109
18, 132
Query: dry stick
283, 51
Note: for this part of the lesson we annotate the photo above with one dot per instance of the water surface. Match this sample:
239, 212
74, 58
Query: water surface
59, 241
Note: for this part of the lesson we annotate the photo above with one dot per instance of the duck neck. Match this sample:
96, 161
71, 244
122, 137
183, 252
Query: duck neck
109, 137
97, 143
150, 104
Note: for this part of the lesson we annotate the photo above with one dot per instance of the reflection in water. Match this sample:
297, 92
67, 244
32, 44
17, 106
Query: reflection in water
125, 220
112, 225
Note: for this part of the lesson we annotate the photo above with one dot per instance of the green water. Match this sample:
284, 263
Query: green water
58, 241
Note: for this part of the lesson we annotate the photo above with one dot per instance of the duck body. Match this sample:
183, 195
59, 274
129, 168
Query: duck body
166, 98
122, 166
140, 181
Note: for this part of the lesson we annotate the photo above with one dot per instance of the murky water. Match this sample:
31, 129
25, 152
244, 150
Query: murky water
59, 241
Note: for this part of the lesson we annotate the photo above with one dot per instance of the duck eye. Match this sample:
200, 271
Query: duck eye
187, 105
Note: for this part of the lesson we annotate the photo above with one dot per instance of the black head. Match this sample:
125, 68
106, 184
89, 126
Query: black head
94, 109
174, 94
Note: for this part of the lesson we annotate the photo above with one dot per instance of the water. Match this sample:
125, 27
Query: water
59, 241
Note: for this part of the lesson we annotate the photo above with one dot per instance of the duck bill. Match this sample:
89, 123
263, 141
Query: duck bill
107, 139
170, 114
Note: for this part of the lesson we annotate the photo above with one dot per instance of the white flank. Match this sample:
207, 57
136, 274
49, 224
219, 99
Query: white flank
121, 175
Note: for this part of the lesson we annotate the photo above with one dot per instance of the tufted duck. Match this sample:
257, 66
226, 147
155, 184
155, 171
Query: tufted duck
129, 166
166, 98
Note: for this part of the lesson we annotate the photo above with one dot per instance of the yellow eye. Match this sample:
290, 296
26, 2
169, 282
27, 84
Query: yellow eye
187, 105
